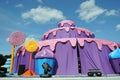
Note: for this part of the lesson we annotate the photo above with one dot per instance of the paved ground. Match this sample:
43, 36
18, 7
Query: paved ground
79, 77
65, 78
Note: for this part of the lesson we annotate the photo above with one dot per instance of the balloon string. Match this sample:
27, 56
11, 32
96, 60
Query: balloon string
30, 61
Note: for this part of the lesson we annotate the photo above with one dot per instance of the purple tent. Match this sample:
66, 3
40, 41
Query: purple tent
23, 58
93, 54
76, 50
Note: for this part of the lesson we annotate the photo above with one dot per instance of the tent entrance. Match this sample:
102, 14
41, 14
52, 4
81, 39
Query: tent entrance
78, 58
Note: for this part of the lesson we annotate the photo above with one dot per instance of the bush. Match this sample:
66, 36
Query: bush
7, 56
2, 60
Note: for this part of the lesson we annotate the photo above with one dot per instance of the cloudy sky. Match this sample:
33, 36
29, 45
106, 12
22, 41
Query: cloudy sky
35, 17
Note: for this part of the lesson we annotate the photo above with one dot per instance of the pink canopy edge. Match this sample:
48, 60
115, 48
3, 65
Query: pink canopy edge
99, 42
66, 21
53, 42
79, 30
118, 45
21, 49
73, 41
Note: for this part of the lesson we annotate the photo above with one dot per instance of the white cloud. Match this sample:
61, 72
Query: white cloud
23, 23
40, 1
98, 31
32, 37
88, 11
7, 29
111, 12
19, 5
27, 23
118, 27
102, 22
43, 14
7, 39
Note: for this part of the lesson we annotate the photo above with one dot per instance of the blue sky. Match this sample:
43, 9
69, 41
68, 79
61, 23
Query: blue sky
35, 17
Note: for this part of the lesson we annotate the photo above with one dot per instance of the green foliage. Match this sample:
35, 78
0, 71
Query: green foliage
2, 60
7, 56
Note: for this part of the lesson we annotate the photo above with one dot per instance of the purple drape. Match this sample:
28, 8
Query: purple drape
105, 62
24, 60
66, 57
116, 65
92, 58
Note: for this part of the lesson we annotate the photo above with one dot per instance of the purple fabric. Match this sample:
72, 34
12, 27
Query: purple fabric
116, 65
71, 34
67, 63
92, 58
24, 60
17, 61
105, 62
66, 57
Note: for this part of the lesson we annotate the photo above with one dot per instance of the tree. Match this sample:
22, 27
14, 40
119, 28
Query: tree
7, 56
2, 60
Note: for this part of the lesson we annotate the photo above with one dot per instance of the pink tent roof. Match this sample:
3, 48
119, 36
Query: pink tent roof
73, 42
67, 29
61, 24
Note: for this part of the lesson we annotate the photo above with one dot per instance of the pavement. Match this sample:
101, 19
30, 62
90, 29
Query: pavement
64, 77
